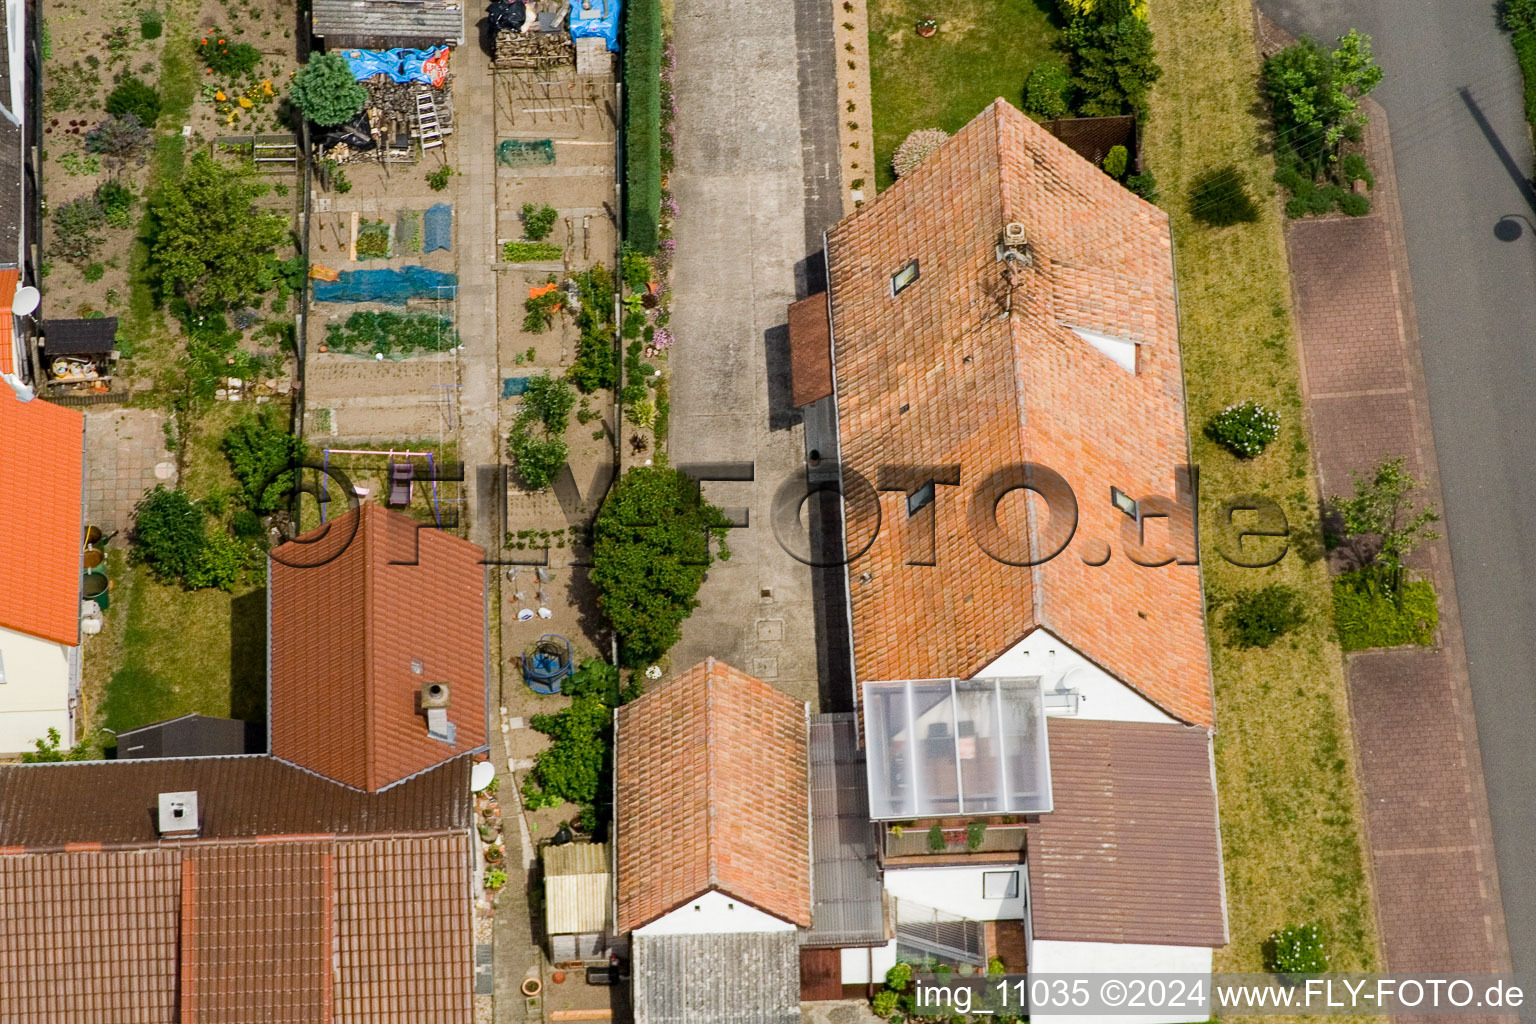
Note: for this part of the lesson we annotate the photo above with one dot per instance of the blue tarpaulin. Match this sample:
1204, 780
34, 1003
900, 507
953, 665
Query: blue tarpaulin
392, 287
511, 387
598, 18
437, 228
430, 66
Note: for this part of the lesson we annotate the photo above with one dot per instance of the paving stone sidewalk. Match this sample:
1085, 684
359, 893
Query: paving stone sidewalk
1427, 815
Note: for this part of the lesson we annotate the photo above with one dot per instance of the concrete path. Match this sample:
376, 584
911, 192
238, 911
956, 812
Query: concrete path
755, 183
1431, 843
1462, 161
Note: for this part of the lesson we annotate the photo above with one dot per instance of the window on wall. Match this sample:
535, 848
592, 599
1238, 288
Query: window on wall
920, 498
999, 885
903, 277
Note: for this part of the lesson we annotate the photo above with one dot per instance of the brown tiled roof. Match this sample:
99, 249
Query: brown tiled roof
956, 371
89, 938
45, 806
347, 623
375, 930
1132, 852
810, 350
713, 793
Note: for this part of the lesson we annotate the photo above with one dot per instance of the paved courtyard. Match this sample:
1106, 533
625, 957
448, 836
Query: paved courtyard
125, 456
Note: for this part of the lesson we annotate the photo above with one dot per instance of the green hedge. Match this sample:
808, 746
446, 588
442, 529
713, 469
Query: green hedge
1366, 615
1525, 53
642, 124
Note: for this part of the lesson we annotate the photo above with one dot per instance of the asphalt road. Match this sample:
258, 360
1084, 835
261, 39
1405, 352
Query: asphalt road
1453, 94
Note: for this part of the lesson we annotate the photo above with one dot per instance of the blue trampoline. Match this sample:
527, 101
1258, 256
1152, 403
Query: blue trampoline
546, 663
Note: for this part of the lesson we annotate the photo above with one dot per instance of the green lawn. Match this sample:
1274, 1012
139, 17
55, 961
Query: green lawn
1285, 760
982, 51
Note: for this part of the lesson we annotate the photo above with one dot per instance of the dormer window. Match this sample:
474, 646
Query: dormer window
1124, 502
903, 277
920, 498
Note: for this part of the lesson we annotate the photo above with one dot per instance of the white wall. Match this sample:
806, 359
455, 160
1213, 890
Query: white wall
1089, 958
715, 913
956, 890
865, 964
35, 694
1102, 696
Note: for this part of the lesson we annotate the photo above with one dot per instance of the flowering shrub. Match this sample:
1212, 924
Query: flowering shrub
222, 57
915, 148
1244, 429
1296, 950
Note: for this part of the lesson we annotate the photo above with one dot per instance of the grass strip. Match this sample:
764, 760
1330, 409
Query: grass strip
1290, 801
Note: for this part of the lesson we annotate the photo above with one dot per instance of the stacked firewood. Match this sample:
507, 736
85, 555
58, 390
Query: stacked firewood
533, 51
392, 106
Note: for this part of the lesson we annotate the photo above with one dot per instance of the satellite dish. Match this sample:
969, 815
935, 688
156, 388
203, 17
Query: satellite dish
26, 300
480, 776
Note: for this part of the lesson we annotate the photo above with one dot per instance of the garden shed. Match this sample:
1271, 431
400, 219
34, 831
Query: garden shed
386, 24
578, 904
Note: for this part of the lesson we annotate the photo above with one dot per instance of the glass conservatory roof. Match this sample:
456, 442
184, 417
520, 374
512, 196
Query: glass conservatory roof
939, 747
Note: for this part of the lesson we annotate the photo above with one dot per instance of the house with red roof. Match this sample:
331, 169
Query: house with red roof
41, 552
995, 364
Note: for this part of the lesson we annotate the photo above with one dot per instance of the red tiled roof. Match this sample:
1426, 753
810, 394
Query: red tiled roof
955, 371
8, 279
810, 350
40, 517
360, 604
1132, 852
713, 793
344, 931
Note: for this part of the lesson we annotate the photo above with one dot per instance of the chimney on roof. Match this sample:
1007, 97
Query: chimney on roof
178, 815
434, 702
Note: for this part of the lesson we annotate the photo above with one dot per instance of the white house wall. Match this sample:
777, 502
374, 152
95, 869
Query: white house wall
35, 695
863, 965
715, 913
956, 890
1085, 959
1102, 696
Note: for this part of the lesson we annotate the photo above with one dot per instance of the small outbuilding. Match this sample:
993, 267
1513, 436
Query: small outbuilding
578, 901
386, 24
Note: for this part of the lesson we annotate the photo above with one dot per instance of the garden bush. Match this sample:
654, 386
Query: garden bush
642, 125
263, 457
650, 551
1144, 185
168, 534
1113, 61
1314, 96
151, 24
1244, 429
916, 148
1116, 162
1257, 618
1356, 169
936, 841
369, 332
537, 440
596, 366
119, 139
539, 311
133, 96
77, 228
1219, 197
538, 221
1296, 950
326, 92
1045, 92
116, 202
226, 58
1366, 613
438, 180
530, 252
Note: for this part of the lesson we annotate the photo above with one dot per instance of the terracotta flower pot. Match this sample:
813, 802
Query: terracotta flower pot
558, 977
927, 31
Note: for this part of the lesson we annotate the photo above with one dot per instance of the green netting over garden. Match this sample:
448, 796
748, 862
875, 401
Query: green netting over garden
525, 152
395, 335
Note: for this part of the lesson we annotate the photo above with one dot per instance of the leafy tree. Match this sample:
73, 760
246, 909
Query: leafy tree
1113, 60
118, 139
210, 244
77, 228
650, 553
1045, 92
571, 768
551, 399
326, 91
262, 455
1314, 95
168, 534
1381, 508
133, 96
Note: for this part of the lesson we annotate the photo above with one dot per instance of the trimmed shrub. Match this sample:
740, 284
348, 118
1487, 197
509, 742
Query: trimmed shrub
326, 92
1244, 429
1354, 204
1366, 614
1257, 618
1296, 950
936, 840
1219, 197
150, 24
1116, 161
916, 148
1045, 91
642, 125
133, 96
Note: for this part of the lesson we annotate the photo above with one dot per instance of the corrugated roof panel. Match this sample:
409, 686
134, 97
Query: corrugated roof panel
846, 904
744, 978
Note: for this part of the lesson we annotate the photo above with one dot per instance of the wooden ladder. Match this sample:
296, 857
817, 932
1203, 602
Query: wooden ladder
427, 131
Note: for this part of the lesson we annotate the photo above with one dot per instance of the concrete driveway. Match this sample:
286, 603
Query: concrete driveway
1453, 93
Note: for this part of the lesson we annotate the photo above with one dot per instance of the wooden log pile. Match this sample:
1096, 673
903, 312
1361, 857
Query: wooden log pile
392, 107
533, 51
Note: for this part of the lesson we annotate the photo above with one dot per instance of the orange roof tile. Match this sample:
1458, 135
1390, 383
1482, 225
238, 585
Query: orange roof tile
360, 604
713, 793
41, 533
8, 279
963, 369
